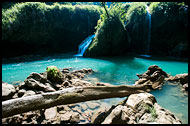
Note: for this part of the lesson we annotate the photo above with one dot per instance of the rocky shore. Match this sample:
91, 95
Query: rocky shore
139, 108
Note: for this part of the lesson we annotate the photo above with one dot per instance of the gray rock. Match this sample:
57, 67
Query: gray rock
182, 78
139, 108
29, 93
65, 117
33, 84
50, 113
75, 118
8, 91
21, 92
185, 86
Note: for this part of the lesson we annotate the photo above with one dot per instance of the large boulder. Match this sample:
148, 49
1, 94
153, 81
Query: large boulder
34, 84
154, 76
42, 78
8, 91
139, 108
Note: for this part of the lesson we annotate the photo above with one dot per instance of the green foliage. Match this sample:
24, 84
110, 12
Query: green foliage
36, 26
151, 110
52, 71
110, 33
137, 26
136, 10
54, 75
170, 20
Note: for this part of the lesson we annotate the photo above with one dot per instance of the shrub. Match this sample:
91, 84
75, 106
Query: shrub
170, 20
110, 34
137, 26
38, 27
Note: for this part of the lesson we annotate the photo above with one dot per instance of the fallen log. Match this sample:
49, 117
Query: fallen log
68, 96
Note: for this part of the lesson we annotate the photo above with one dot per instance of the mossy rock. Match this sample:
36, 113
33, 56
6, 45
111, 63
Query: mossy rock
110, 38
54, 74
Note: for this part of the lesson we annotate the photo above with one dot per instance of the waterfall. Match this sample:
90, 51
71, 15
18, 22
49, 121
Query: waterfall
149, 31
84, 45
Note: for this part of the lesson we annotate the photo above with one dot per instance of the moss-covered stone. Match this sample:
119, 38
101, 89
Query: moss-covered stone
54, 74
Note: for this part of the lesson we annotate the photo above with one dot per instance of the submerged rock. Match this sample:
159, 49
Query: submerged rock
8, 91
139, 108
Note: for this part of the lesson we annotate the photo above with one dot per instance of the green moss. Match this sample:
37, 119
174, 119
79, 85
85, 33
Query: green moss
53, 74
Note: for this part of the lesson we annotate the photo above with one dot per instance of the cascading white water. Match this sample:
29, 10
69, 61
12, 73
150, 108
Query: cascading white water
149, 31
84, 45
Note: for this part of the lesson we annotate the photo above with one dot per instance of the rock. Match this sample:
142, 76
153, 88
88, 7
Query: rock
100, 115
8, 91
34, 84
139, 108
65, 70
84, 106
154, 76
50, 113
75, 118
154, 68
185, 86
70, 116
78, 82
38, 77
62, 112
66, 84
54, 74
182, 78
165, 116
21, 92
92, 105
102, 84
135, 99
69, 76
29, 93
65, 117
77, 109
87, 70
146, 118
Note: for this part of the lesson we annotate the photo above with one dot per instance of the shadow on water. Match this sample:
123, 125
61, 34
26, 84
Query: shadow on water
31, 58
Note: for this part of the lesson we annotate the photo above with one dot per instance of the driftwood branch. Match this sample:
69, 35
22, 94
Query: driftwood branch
68, 96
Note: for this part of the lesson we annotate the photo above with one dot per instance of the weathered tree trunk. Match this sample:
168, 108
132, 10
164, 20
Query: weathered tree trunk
68, 96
